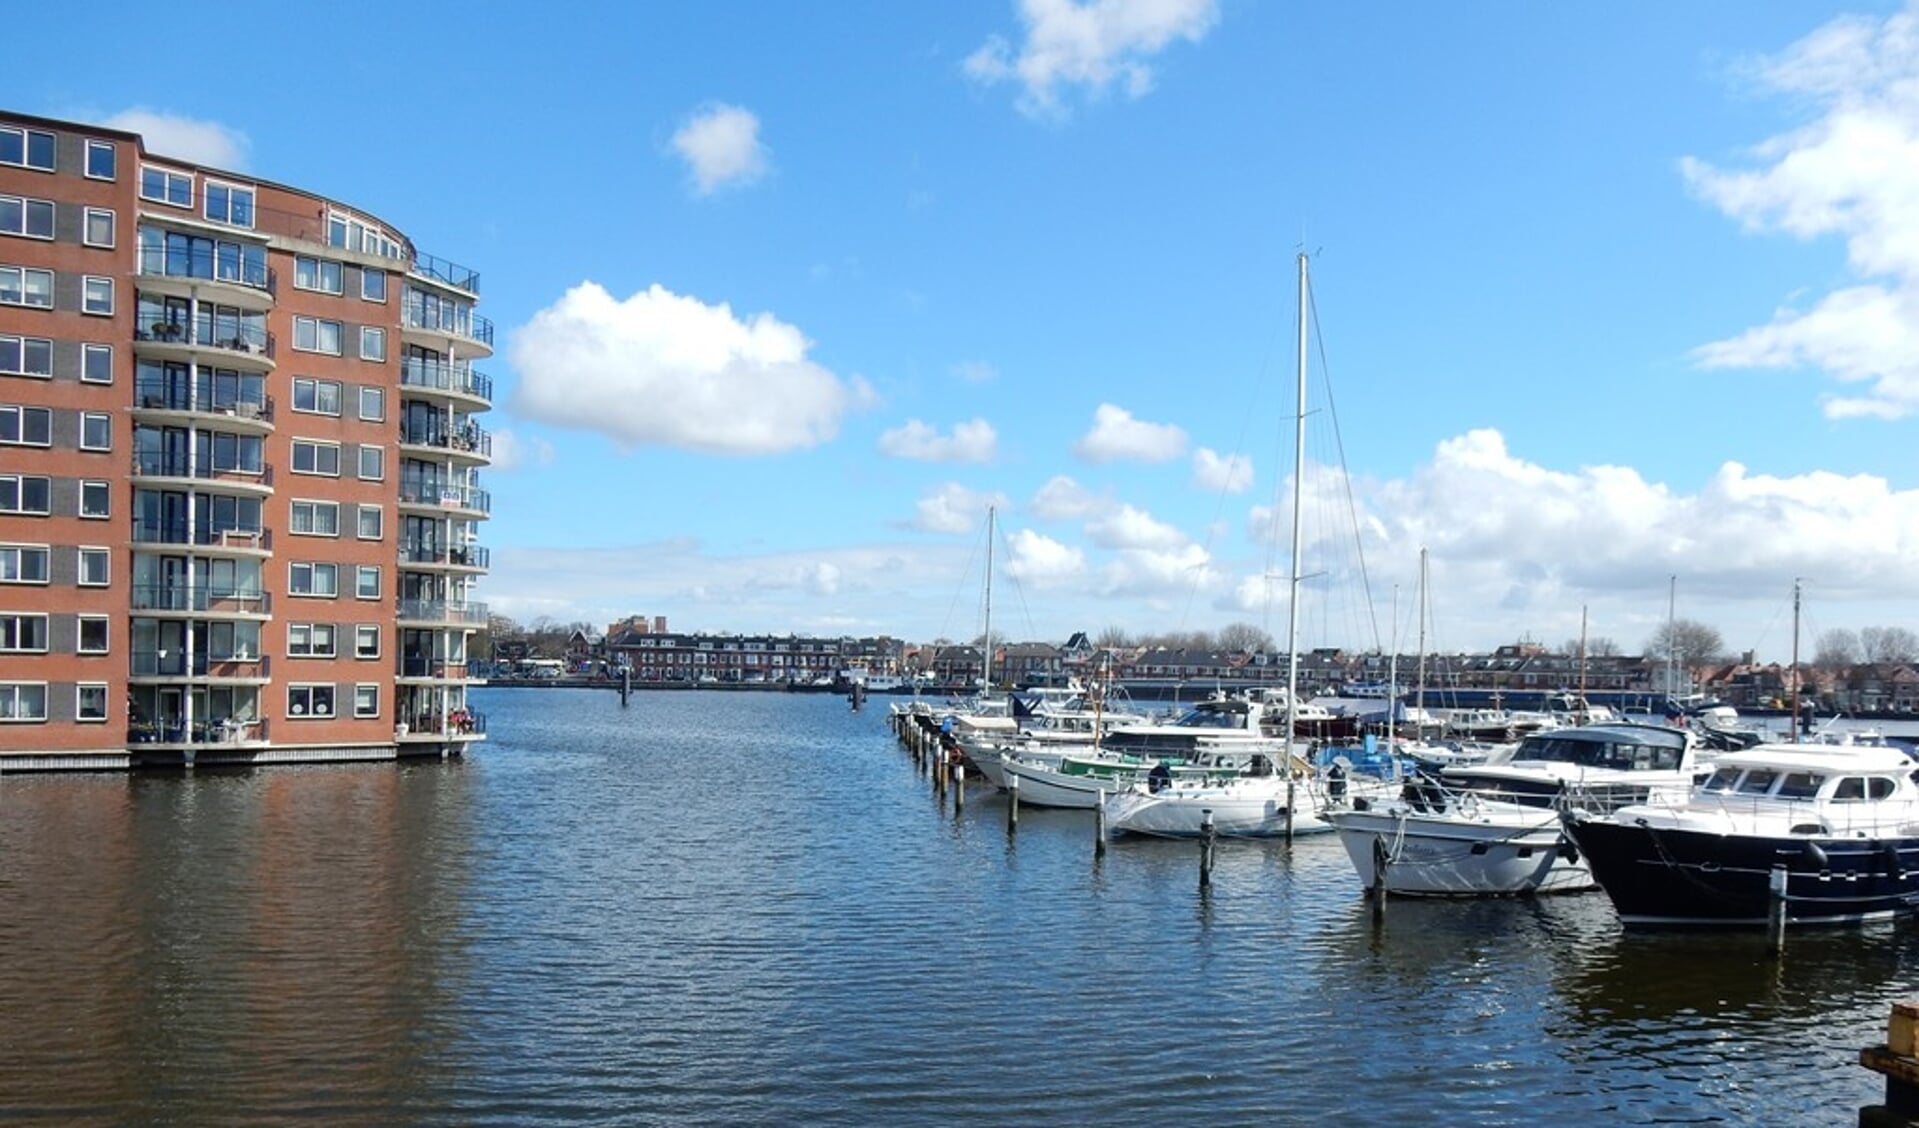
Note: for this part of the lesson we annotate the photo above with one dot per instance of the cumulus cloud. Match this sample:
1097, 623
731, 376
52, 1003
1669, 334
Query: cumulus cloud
952, 508
1156, 572
973, 441
1043, 562
184, 138
1063, 499
661, 369
1093, 46
1127, 527
1117, 436
1852, 172
721, 147
512, 451
1231, 473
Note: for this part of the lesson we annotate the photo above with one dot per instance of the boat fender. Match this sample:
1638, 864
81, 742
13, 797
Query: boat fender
1890, 852
1814, 854
1568, 851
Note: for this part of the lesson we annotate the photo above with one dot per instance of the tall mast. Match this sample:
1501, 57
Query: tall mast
990, 513
1792, 729
1672, 638
1299, 473
1582, 664
1392, 675
1419, 697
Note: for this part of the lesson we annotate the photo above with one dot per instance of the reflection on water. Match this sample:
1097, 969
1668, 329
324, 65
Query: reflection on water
749, 908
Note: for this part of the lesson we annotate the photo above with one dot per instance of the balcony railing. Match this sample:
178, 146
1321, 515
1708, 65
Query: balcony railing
203, 396
160, 464
460, 722
471, 437
451, 273
176, 597
228, 731
443, 611
173, 663
243, 339
438, 375
202, 263
472, 326
470, 556
450, 496
444, 668
177, 532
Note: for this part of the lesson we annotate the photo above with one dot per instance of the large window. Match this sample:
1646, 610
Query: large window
100, 160
321, 397
26, 286
23, 563
310, 640
23, 701
26, 426
309, 701
28, 495
320, 580
23, 633
29, 148
311, 457
166, 186
316, 518
229, 204
316, 334
316, 274
177, 254
21, 215
26, 356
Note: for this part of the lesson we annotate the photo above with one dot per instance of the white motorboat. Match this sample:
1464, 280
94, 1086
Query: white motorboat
1250, 806
1078, 781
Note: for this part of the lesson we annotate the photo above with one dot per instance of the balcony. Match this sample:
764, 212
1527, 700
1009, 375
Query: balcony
439, 611
436, 495
224, 540
228, 731
470, 441
469, 556
172, 663
156, 464
212, 601
461, 328
447, 273
460, 724
248, 410
201, 273
454, 379
433, 669
243, 345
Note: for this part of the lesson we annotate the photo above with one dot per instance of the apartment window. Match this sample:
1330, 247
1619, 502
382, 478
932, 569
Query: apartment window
229, 204
28, 148
25, 286
20, 215
23, 563
26, 426
370, 522
96, 430
93, 635
372, 463
90, 701
309, 701
316, 518
99, 227
23, 701
100, 156
372, 343
373, 284
95, 499
321, 397
320, 580
96, 295
310, 457
21, 494
367, 584
94, 566
315, 334
26, 356
366, 700
309, 640
96, 363
23, 634
316, 274
166, 187
366, 640
373, 404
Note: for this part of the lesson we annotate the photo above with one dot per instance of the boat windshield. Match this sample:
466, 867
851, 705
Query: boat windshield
1213, 718
1618, 755
1725, 779
1800, 785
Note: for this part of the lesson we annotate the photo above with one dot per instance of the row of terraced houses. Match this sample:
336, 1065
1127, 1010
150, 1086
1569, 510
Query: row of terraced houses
239, 466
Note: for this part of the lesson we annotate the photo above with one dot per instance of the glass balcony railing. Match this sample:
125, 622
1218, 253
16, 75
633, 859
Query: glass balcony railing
208, 397
230, 730
470, 556
438, 375
205, 263
445, 669
451, 273
443, 611
238, 339
177, 532
170, 663
178, 597
155, 464
460, 722
470, 438
469, 325
452, 497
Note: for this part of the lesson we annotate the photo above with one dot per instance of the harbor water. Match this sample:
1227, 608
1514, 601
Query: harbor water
734, 908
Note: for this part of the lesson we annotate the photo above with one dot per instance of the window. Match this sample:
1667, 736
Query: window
25, 286
96, 499
309, 640
309, 701
23, 701
366, 640
316, 518
29, 148
93, 635
100, 160
99, 227
96, 363
366, 700
372, 343
19, 494
320, 580
23, 634
367, 585
96, 295
373, 284
23, 563
26, 426
94, 564
229, 204
314, 334
166, 187
372, 463
96, 430
373, 404
90, 701
321, 397
21, 215
316, 274
370, 521
1851, 789
26, 356
310, 457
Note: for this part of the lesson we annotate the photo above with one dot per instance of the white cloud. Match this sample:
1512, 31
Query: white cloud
953, 508
1043, 562
1093, 45
662, 369
975, 371
721, 147
1063, 499
512, 451
1127, 527
973, 441
185, 138
1231, 473
1117, 435
1853, 171
1160, 572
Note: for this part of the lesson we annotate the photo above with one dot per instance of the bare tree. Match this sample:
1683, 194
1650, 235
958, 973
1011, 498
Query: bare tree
1244, 638
1113, 637
1888, 644
1838, 649
1597, 646
1690, 643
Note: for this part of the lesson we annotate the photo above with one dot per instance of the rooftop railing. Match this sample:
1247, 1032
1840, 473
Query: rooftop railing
451, 273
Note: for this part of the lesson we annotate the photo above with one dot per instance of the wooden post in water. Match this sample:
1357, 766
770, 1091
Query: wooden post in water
1012, 804
1382, 858
959, 787
1898, 1062
626, 684
1291, 787
1776, 909
1099, 823
1208, 836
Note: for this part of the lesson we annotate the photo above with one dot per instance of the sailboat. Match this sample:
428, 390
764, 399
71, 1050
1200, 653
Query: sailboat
1292, 798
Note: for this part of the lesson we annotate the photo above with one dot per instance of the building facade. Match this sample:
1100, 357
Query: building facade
239, 467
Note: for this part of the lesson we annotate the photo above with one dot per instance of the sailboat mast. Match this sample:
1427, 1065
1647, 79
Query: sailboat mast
1672, 638
1299, 473
1419, 696
1582, 664
1792, 728
991, 512
1392, 675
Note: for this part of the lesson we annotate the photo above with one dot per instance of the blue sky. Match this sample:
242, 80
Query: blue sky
1615, 300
